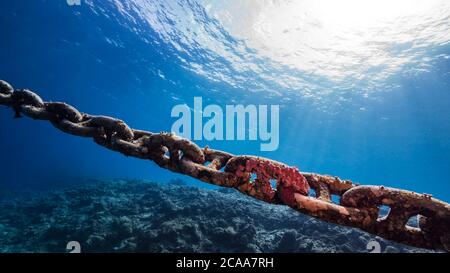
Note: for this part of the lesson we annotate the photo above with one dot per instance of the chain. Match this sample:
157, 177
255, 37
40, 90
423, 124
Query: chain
358, 205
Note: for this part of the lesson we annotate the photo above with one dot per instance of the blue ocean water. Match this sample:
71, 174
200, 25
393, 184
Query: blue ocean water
369, 104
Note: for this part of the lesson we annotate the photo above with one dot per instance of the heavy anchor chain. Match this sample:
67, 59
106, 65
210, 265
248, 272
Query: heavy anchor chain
261, 178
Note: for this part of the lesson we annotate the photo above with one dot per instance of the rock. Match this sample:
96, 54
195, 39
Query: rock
288, 242
138, 216
122, 227
95, 241
391, 249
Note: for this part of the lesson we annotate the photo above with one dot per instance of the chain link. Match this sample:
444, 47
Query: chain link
261, 178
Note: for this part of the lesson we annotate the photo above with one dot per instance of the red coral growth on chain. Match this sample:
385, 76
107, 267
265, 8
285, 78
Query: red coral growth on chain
288, 180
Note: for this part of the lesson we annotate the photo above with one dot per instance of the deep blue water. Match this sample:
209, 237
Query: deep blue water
135, 61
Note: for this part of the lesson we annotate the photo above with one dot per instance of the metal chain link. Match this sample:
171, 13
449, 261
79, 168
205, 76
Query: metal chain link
358, 206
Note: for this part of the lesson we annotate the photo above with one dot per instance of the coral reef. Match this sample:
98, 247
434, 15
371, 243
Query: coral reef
140, 216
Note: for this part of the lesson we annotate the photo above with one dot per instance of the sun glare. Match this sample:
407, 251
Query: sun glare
357, 13
337, 39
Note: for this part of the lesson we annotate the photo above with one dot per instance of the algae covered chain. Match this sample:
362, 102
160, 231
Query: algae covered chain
358, 207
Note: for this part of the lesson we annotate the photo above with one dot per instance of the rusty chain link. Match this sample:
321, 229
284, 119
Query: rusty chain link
358, 206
